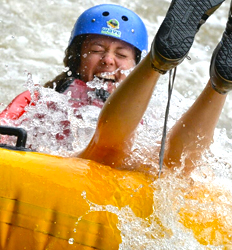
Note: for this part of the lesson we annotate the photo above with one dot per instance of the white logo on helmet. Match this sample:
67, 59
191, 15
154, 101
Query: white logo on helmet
112, 28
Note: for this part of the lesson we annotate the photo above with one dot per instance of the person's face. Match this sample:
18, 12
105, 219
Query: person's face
106, 58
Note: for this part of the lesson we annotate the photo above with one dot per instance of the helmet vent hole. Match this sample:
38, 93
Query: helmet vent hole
124, 18
105, 13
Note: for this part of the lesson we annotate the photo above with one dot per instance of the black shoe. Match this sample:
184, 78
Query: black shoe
176, 34
221, 62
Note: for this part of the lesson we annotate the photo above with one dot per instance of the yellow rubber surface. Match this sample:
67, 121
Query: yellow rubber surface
42, 204
41, 201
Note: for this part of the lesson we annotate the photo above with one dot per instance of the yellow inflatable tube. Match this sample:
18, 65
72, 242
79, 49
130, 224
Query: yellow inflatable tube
41, 201
43, 204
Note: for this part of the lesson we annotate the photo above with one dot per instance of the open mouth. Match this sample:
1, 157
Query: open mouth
106, 77
105, 80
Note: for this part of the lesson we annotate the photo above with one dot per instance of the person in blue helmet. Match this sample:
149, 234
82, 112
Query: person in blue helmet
106, 41
94, 32
124, 35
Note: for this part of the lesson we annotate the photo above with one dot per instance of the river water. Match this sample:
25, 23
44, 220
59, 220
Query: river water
33, 38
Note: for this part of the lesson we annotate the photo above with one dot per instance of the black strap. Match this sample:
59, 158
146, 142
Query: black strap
102, 94
170, 88
62, 87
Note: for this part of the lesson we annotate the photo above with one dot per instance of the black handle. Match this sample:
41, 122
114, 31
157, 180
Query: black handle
19, 132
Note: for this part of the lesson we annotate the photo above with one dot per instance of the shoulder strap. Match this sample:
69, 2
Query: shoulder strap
62, 87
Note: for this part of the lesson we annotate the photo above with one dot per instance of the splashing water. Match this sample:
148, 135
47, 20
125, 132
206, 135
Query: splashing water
206, 193
179, 206
101, 84
52, 125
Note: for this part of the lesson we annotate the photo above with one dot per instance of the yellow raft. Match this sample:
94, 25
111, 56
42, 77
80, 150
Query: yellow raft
45, 203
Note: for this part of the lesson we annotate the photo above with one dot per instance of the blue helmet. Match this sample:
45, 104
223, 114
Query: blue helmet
112, 20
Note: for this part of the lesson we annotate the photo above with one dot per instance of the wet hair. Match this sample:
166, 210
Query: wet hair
138, 55
72, 62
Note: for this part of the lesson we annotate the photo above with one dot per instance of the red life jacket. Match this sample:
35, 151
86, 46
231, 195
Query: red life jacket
79, 97
17, 107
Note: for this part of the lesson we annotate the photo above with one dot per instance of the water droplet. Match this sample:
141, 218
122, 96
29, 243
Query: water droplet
66, 69
83, 194
207, 48
71, 241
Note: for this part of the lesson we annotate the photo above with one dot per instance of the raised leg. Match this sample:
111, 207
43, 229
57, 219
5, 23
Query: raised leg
193, 133
121, 115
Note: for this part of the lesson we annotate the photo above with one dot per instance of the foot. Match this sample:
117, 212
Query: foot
176, 34
221, 62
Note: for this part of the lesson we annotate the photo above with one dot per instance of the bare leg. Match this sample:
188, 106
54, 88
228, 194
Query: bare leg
121, 115
193, 133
